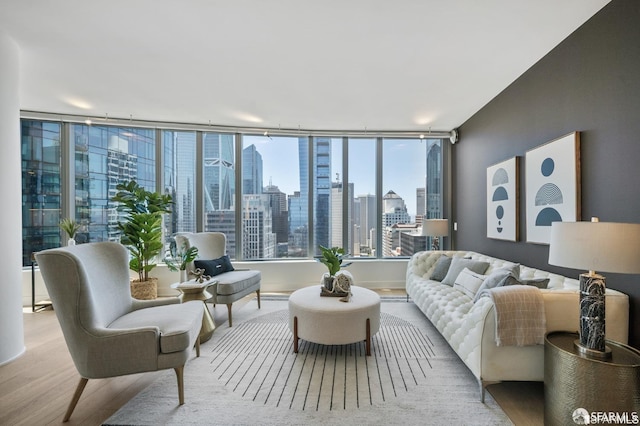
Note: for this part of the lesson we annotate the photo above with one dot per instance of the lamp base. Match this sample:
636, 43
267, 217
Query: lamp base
592, 353
592, 312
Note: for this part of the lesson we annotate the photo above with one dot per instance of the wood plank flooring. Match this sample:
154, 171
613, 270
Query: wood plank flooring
36, 388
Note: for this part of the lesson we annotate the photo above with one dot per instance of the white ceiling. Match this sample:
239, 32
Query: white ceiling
325, 64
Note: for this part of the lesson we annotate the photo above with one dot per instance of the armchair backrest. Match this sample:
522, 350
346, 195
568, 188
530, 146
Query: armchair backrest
211, 245
88, 285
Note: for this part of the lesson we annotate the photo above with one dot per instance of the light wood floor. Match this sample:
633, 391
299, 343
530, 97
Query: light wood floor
36, 388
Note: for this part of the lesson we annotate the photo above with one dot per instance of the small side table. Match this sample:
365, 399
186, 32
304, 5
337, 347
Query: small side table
43, 304
573, 381
193, 290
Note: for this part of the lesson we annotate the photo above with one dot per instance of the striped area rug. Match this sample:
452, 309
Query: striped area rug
249, 375
256, 361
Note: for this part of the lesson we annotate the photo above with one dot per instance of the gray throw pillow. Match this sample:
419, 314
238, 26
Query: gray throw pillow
496, 279
458, 264
536, 282
441, 268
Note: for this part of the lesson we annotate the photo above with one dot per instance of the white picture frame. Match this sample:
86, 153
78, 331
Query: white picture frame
552, 186
503, 200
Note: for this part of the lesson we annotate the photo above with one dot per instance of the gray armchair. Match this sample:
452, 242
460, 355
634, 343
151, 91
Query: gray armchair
233, 285
108, 332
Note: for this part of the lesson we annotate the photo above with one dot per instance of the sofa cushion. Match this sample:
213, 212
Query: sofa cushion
458, 264
215, 267
235, 281
441, 268
174, 323
468, 282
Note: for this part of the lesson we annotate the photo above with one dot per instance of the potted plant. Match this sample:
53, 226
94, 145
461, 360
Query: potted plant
178, 259
332, 259
71, 227
141, 232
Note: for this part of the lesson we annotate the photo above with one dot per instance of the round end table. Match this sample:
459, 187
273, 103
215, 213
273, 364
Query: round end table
192, 290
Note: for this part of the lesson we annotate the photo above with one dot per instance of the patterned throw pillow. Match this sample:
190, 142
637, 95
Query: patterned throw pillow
469, 282
215, 267
458, 264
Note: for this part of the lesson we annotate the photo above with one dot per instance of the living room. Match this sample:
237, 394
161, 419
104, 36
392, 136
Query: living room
587, 83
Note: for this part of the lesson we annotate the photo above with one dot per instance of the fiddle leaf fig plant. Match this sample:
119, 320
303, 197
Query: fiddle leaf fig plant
141, 228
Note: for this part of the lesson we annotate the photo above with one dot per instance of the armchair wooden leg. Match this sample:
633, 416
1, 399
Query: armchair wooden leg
229, 309
258, 293
198, 347
76, 397
180, 377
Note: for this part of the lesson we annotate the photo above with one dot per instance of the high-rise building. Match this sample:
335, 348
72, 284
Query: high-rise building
394, 210
338, 213
279, 213
219, 169
434, 180
421, 204
365, 223
258, 240
298, 213
251, 170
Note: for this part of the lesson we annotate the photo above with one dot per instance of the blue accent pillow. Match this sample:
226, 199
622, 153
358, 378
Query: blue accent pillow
215, 267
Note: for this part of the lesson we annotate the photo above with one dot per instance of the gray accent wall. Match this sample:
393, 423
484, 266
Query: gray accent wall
589, 83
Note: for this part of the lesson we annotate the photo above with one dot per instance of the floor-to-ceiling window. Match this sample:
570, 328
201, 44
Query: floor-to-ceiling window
406, 169
104, 157
219, 186
41, 180
368, 195
179, 179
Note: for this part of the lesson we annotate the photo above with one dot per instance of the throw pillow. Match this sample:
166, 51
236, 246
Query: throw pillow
441, 268
458, 264
468, 282
496, 279
536, 282
215, 267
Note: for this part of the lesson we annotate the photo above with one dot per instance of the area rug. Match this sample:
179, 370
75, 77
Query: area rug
249, 375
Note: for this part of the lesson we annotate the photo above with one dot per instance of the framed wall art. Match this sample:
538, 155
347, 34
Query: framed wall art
552, 186
503, 200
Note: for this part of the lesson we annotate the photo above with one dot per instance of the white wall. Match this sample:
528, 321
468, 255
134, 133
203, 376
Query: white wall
11, 326
276, 276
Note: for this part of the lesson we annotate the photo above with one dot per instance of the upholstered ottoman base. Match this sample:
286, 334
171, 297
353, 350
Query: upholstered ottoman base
328, 321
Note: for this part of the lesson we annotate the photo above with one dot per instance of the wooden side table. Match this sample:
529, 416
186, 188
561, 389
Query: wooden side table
193, 290
575, 384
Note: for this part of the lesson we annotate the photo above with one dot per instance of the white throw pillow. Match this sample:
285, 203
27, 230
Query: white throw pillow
469, 282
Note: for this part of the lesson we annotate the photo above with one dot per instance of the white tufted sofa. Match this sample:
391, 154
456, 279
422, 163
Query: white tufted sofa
470, 327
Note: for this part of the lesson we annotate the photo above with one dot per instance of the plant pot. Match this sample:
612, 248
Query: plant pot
328, 282
71, 242
144, 290
184, 276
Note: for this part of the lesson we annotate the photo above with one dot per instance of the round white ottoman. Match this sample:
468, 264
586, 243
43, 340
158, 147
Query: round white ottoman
328, 321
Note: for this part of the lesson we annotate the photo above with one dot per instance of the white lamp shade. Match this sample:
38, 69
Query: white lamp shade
596, 246
435, 227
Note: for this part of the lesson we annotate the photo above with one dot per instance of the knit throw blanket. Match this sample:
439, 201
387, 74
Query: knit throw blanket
520, 317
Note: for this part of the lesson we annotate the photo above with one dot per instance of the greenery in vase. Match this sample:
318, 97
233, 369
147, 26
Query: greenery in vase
142, 228
179, 259
332, 259
70, 226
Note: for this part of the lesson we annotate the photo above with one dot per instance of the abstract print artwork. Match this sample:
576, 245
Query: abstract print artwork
552, 186
503, 200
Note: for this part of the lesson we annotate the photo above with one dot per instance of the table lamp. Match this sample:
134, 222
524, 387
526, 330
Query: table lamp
435, 228
601, 246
